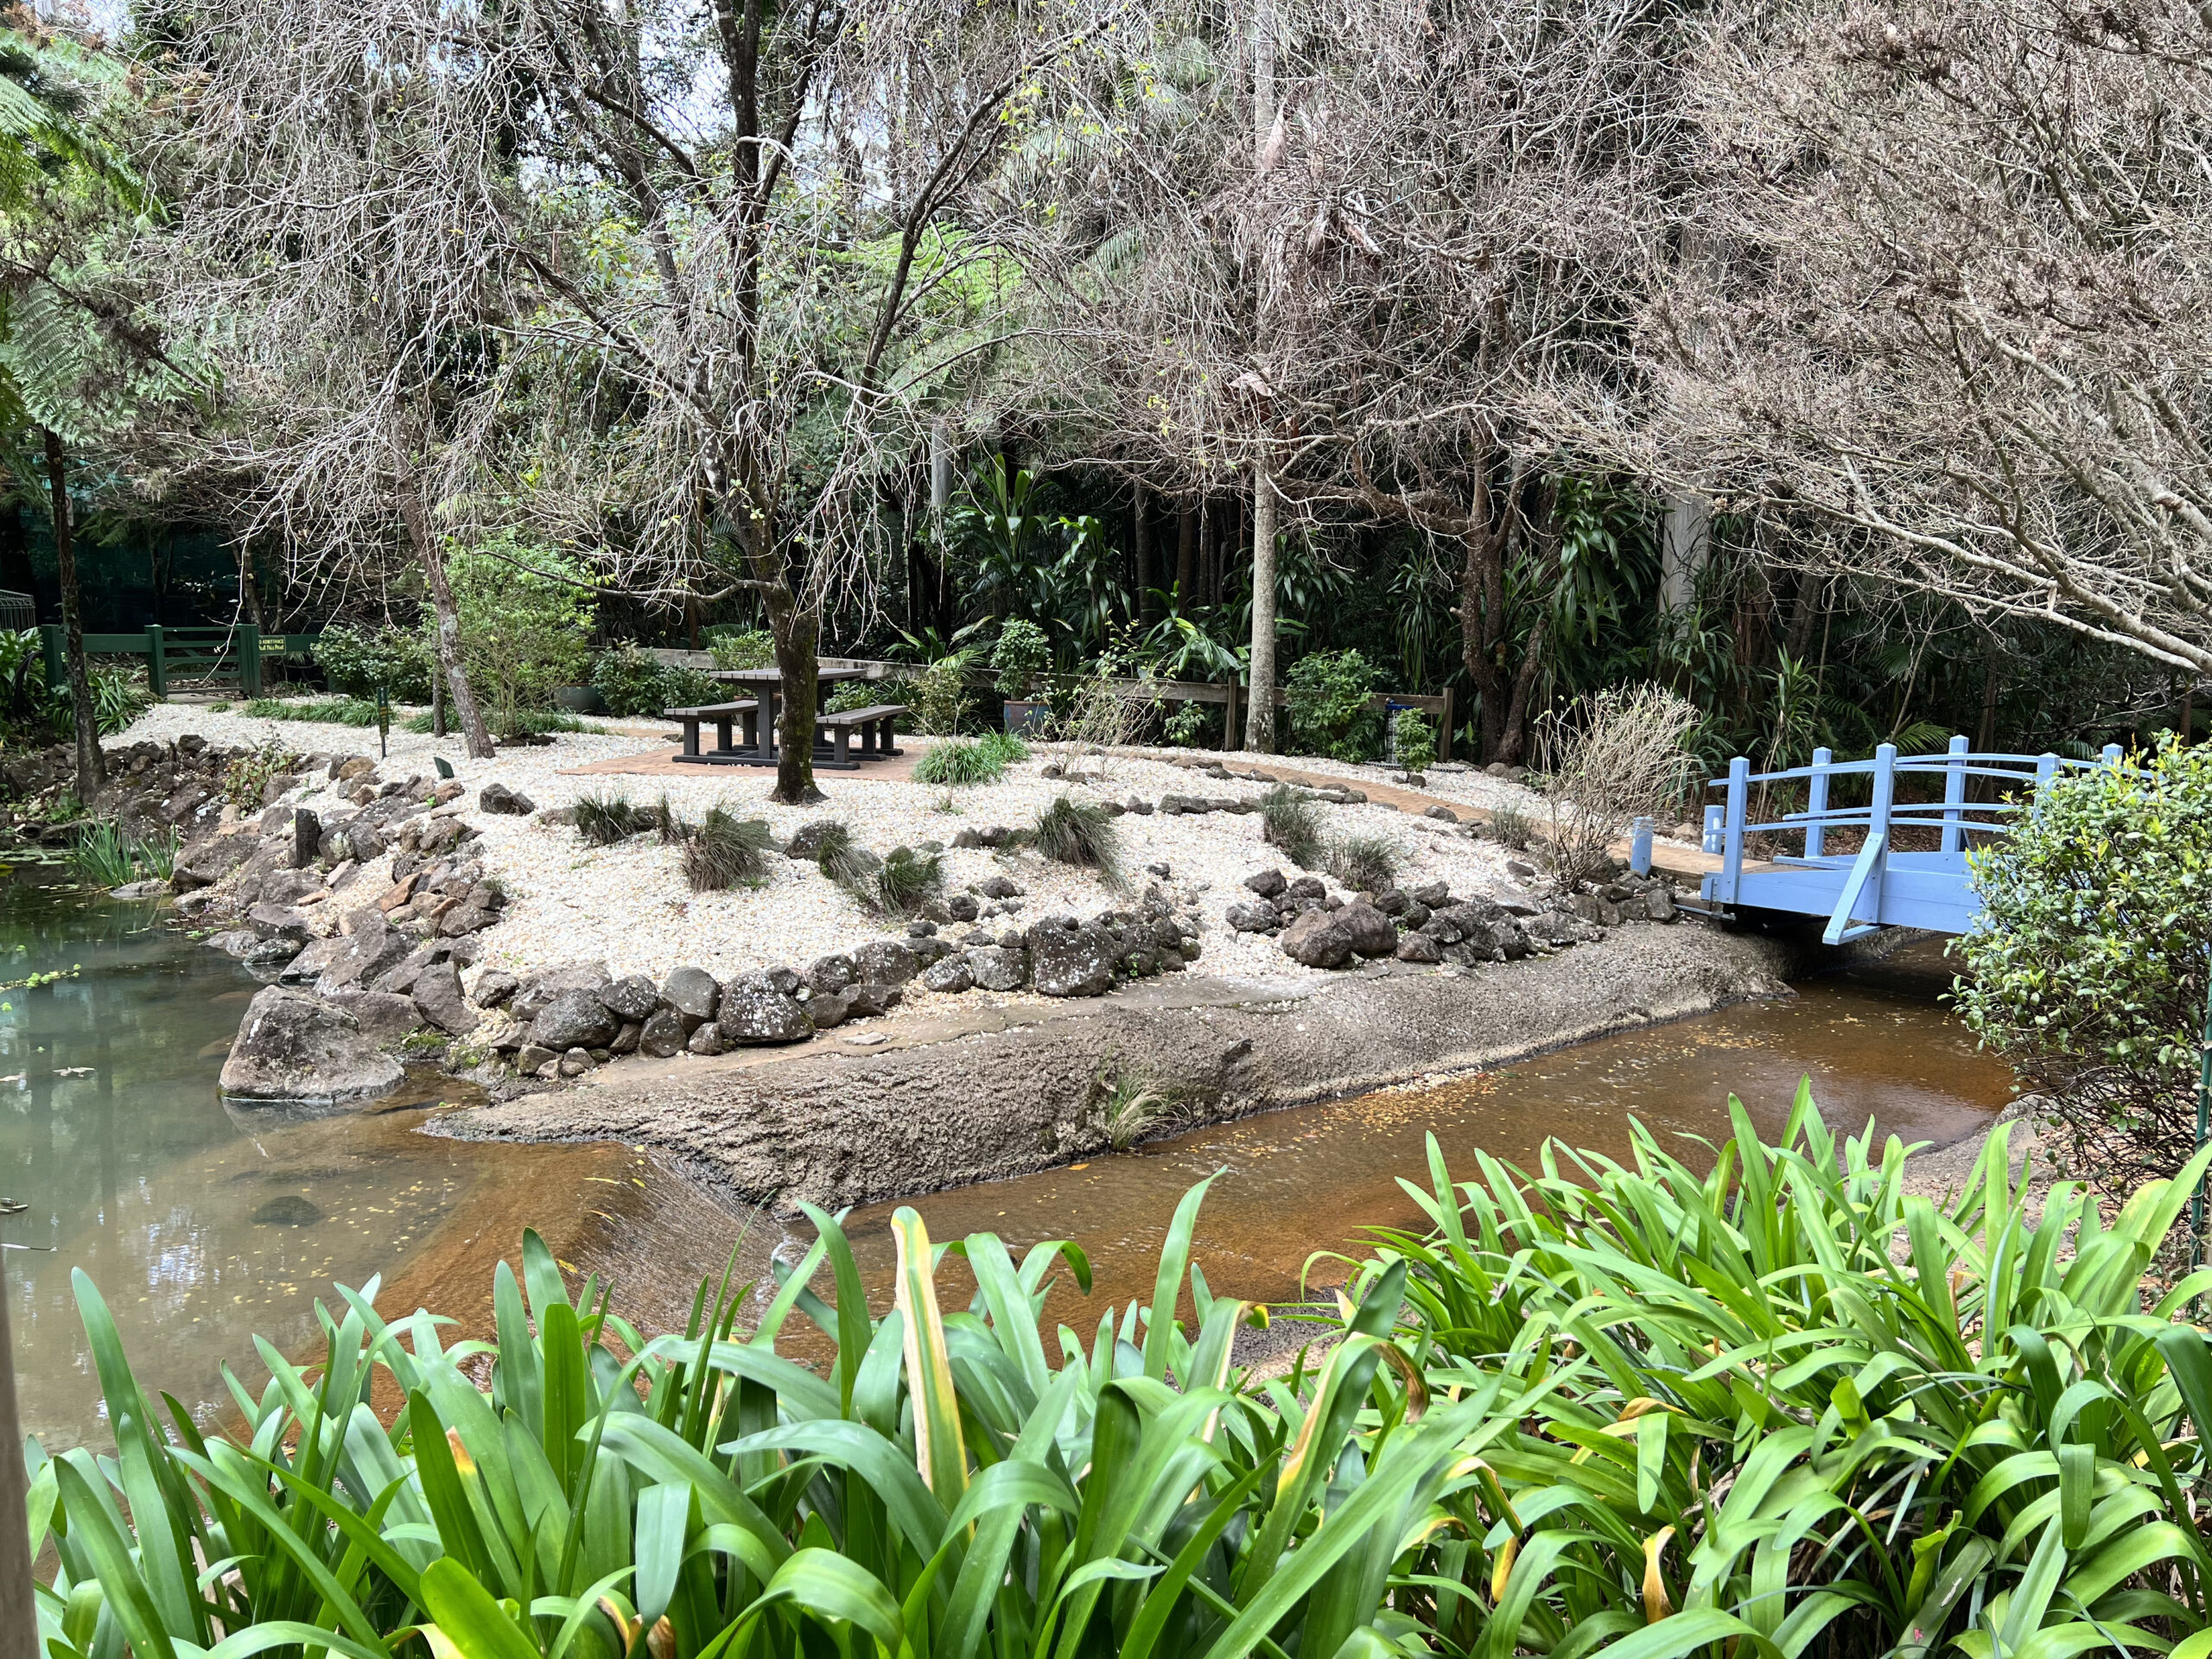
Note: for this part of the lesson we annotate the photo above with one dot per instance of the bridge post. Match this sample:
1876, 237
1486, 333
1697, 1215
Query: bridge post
1639, 846
1885, 790
1732, 854
2111, 755
1816, 803
1954, 794
1716, 829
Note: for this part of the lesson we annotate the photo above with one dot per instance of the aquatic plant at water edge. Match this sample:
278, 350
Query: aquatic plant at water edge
107, 857
1363, 863
727, 851
1130, 1105
1794, 1338
603, 820
1292, 822
1081, 833
2087, 969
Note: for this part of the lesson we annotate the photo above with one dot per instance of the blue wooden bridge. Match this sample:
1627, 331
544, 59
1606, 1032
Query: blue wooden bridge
1877, 885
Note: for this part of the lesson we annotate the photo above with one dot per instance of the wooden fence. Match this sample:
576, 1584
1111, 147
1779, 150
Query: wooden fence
202, 654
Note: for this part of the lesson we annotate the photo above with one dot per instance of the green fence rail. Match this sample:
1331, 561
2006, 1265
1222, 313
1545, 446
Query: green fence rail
181, 653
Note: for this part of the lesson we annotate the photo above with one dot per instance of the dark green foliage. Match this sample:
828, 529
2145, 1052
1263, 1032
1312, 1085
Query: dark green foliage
1022, 653
105, 857
603, 820
1291, 821
727, 851
1327, 692
1081, 833
741, 647
665, 821
632, 681
2088, 968
358, 658
325, 711
1363, 863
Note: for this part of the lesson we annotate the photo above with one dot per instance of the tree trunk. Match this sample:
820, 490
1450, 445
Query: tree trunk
797, 632
1140, 538
92, 765
1505, 683
1187, 556
1260, 715
451, 669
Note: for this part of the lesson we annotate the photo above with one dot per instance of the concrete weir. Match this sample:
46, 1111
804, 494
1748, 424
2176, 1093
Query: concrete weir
985, 1092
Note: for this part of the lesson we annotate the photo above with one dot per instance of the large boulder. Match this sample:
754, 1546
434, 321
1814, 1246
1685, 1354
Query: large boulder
538, 990
437, 996
884, 961
497, 798
203, 866
278, 922
1320, 938
372, 948
310, 965
1372, 932
754, 1011
1072, 960
999, 967
663, 1034
693, 995
826, 975
950, 977
291, 1047
385, 1019
1251, 917
575, 1019
632, 997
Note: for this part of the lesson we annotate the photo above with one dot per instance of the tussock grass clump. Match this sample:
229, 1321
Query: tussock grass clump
1512, 827
979, 760
1292, 822
664, 821
322, 711
725, 851
1081, 833
905, 882
603, 820
843, 859
1363, 863
1130, 1106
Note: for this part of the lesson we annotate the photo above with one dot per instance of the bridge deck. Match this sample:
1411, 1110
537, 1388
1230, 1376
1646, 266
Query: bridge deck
1876, 884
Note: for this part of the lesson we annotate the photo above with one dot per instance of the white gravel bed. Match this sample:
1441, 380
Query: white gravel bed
630, 904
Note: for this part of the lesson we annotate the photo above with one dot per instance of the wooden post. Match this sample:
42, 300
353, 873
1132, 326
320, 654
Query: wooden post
1731, 856
1444, 731
249, 659
1816, 803
1229, 731
57, 660
157, 667
1954, 794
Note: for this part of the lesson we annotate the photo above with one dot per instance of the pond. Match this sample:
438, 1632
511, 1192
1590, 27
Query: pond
205, 1226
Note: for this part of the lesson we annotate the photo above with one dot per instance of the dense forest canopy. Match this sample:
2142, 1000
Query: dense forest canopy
1835, 366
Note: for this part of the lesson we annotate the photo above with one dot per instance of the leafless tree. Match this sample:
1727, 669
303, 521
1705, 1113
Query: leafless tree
1951, 299
1456, 210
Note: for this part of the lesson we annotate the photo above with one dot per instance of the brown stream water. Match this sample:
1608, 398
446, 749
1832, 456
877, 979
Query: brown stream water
204, 1227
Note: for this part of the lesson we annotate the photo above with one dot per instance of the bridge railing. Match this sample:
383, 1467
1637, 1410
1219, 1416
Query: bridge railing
1954, 816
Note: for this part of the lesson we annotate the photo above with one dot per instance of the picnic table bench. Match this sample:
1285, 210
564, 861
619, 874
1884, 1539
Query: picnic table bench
876, 728
723, 715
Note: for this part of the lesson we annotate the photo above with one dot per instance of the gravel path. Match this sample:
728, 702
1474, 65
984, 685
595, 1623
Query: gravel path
630, 905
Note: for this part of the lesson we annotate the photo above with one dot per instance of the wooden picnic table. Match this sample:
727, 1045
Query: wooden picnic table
767, 684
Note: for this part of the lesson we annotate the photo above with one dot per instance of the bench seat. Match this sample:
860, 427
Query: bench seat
875, 725
723, 715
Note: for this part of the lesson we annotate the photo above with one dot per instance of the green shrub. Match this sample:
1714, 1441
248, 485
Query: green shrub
1081, 833
2086, 970
1327, 693
322, 711
1896, 1388
523, 633
1415, 738
1513, 827
630, 681
1021, 654
1291, 821
359, 658
734, 648
1363, 863
245, 777
603, 820
725, 851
